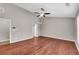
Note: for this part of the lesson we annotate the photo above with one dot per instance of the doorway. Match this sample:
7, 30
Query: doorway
4, 31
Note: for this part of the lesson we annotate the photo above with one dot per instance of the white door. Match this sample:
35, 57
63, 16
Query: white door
4, 30
36, 30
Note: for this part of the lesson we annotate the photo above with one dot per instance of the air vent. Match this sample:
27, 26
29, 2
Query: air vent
67, 4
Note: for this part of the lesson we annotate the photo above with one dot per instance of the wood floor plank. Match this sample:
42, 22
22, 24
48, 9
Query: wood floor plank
40, 46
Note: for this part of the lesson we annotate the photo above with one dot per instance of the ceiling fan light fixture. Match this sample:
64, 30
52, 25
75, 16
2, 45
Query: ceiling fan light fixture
42, 14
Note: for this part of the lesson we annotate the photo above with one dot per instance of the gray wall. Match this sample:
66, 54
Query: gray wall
63, 28
21, 19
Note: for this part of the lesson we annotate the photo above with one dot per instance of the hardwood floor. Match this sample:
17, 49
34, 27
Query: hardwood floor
40, 46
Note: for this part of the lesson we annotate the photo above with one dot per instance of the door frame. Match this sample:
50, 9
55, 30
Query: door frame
7, 20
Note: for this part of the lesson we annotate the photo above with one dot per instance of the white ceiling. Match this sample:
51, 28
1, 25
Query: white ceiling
56, 9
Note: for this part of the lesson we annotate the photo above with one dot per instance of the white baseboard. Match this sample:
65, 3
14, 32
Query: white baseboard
4, 40
77, 46
59, 38
14, 41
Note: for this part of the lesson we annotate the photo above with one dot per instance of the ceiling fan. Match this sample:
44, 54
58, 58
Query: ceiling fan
42, 13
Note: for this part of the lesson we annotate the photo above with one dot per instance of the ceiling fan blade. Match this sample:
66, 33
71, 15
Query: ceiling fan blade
38, 15
36, 12
47, 13
42, 9
44, 16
